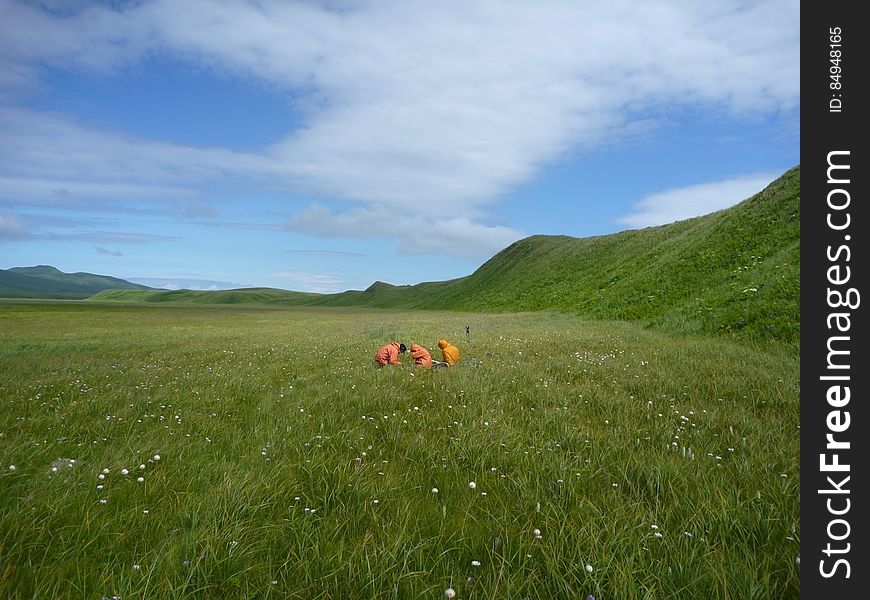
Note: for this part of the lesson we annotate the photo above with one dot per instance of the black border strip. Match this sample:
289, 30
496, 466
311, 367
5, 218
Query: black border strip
834, 228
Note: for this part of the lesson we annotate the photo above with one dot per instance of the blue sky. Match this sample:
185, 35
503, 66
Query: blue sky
321, 146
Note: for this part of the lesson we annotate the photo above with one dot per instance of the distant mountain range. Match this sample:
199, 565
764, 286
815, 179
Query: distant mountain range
47, 282
733, 272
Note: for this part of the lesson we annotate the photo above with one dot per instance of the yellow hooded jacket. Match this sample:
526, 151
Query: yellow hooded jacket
449, 353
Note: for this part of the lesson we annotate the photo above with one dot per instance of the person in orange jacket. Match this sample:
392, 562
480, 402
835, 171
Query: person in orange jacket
449, 353
389, 354
421, 356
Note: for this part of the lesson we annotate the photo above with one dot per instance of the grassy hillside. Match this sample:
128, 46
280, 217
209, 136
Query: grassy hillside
48, 282
736, 271
240, 296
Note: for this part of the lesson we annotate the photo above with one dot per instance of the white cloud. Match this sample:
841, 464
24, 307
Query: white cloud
690, 201
12, 227
57, 191
318, 283
199, 210
413, 109
457, 237
110, 237
49, 157
85, 36
176, 283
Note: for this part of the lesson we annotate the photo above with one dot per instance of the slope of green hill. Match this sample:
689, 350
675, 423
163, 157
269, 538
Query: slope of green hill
735, 271
238, 296
48, 282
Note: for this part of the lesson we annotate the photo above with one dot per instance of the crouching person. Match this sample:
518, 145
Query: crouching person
421, 356
450, 354
389, 354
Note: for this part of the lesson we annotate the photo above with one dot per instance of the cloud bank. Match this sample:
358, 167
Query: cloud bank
426, 112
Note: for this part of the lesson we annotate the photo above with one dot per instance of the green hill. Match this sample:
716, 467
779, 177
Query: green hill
735, 271
47, 282
238, 296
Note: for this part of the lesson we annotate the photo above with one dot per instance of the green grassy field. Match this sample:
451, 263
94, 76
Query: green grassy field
291, 467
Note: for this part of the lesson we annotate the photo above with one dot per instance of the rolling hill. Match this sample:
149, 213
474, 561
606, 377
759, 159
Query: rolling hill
48, 282
734, 272
237, 296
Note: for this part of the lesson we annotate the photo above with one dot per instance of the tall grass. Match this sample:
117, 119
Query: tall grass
291, 467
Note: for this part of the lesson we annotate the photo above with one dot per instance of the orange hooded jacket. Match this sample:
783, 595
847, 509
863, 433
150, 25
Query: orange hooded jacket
449, 353
388, 355
421, 356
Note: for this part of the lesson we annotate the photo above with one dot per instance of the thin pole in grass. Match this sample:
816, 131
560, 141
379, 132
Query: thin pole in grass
468, 337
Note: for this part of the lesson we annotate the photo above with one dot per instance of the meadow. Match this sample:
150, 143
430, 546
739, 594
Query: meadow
168, 451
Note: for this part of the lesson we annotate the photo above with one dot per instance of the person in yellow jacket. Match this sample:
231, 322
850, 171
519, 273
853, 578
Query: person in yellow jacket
449, 353
389, 354
421, 356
